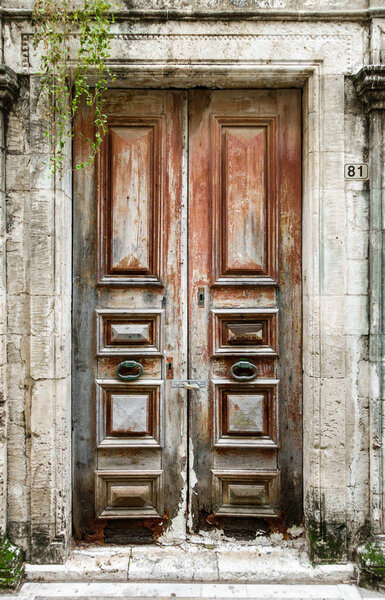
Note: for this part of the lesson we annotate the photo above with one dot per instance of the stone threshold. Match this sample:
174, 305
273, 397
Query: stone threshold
191, 591
194, 562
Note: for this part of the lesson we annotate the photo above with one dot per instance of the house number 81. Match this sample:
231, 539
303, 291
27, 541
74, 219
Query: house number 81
356, 171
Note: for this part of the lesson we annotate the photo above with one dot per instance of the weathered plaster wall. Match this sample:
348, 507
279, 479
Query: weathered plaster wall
321, 57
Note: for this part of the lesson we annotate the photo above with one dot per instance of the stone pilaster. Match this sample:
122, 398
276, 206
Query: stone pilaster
370, 86
10, 555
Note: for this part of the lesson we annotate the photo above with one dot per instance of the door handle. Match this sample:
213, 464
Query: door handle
243, 365
129, 364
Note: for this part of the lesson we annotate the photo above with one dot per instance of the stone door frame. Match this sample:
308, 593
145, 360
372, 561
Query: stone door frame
254, 75
48, 501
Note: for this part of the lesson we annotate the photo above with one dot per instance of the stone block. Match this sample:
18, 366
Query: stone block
333, 356
357, 203
357, 277
18, 315
42, 363
41, 176
42, 265
333, 91
170, 563
332, 438
42, 211
333, 132
356, 315
42, 315
356, 245
18, 172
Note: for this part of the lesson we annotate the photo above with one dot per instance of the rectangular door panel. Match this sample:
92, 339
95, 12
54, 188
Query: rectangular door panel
129, 494
243, 179
125, 332
247, 331
131, 174
246, 493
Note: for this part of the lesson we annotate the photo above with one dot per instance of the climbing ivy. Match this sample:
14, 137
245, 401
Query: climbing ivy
58, 24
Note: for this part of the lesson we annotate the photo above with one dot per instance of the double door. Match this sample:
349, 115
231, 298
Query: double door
187, 315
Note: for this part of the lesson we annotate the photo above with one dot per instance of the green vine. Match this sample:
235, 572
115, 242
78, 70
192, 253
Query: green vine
57, 24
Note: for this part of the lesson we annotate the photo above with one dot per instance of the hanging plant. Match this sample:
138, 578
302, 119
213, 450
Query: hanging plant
58, 24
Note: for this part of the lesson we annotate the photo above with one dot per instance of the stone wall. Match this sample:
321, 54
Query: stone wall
279, 43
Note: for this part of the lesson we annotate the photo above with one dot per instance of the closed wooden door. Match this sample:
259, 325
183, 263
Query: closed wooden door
187, 315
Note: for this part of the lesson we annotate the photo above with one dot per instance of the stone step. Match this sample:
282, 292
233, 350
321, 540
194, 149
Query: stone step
192, 563
190, 591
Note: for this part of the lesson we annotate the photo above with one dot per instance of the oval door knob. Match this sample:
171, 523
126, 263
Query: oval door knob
128, 365
241, 366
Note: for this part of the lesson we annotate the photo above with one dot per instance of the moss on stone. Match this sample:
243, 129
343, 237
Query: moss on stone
371, 563
11, 564
327, 545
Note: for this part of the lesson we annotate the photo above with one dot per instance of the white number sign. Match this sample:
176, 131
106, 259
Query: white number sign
356, 171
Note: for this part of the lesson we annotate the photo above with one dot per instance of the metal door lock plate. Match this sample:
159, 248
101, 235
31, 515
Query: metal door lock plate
188, 384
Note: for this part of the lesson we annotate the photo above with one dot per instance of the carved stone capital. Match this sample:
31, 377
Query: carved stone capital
370, 86
9, 86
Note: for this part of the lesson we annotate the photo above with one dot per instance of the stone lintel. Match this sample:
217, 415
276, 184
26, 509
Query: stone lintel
9, 87
370, 86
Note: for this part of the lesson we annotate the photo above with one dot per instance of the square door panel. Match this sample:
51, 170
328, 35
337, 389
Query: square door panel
244, 332
245, 414
133, 332
246, 493
129, 494
129, 413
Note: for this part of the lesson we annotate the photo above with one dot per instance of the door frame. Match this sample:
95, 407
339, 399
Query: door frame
253, 77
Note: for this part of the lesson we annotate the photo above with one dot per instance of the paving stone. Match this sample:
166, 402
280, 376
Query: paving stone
191, 591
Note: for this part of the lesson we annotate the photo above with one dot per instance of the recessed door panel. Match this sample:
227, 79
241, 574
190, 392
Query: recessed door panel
245, 414
246, 331
130, 176
127, 332
243, 185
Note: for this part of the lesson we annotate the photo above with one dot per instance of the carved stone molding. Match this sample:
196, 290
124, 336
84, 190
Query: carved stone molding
9, 86
370, 86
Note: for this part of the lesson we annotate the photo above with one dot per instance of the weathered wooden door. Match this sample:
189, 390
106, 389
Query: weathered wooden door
187, 315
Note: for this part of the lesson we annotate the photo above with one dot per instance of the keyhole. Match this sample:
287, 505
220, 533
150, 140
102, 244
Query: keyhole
201, 297
169, 369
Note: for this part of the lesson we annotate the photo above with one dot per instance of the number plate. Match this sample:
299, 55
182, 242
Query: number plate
356, 171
